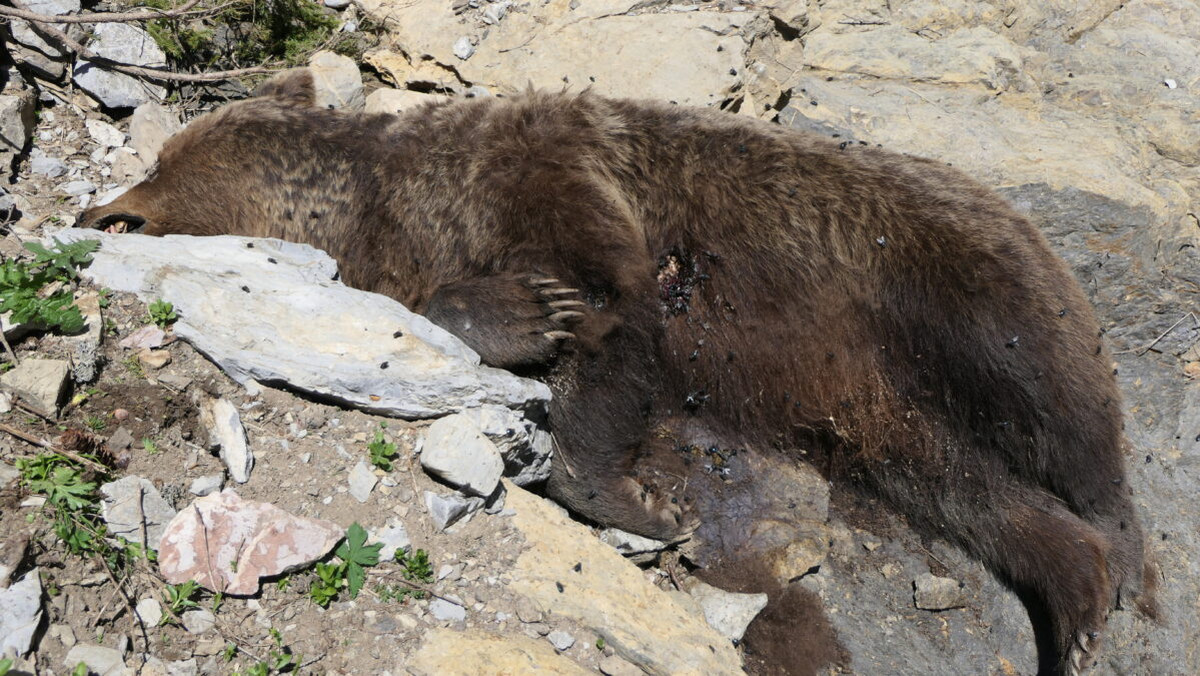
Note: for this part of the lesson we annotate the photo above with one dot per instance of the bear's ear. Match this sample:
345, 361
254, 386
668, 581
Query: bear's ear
291, 87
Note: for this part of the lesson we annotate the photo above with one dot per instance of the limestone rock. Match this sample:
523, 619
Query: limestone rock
456, 451
526, 449
226, 543
198, 621
446, 510
446, 652
23, 33
16, 123
337, 81
931, 592
105, 134
225, 430
629, 543
149, 611
727, 612
40, 383
394, 537
125, 43
99, 660
362, 481
561, 640
132, 506
974, 55
445, 611
609, 595
206, 485
298, 326
149, 127
558, 46
20, 614
398, 100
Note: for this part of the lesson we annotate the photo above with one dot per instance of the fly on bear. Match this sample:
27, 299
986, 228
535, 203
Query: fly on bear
687, 275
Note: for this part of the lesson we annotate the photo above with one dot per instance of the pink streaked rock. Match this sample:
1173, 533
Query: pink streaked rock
226, 543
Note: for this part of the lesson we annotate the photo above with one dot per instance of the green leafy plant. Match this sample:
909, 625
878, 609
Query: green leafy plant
382, 452
133, 366
330, 577
230, 652
23, 284
81, 669
179, 598
5, 666
415, 567
149, 446
162, 313
104, 297
355, 557
397, 592
95, 423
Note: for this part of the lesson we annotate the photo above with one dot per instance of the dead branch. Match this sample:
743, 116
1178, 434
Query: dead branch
149, 14
159, 74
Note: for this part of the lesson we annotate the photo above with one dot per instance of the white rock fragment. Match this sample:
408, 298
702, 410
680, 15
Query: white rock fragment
630, 544
206, 485
463, 48
561, 640
362, 481
226, 544
445, 611
20, 614
456, 451
727, 612
299, 327
105, 134
198, 621
931, 592
394, 538
337, 81
149, 612
526, 449
39, 383
78, 188
124, 43
149, 128
132, 506
100, 661
1171, 84
224, 424
446, 510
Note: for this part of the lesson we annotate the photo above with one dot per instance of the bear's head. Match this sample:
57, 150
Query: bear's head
212, 177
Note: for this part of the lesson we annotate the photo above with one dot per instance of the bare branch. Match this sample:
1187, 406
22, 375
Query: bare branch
159, 74
147, 14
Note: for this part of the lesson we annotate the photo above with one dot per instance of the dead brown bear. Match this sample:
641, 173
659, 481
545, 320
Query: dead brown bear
886, 314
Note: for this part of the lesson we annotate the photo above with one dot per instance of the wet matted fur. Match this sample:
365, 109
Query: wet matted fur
667, 266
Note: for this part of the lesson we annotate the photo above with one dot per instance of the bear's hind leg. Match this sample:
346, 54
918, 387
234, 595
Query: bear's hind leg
1051, 557
511, 320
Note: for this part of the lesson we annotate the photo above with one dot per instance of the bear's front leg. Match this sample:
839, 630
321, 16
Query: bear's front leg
511, 320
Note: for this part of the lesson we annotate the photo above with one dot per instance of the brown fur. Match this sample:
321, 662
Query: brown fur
893, 318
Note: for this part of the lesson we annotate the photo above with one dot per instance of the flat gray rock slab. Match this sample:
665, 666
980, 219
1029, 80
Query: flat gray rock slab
270, 311
133, 506
727, 612
39, 383
99, 660
20, 612
456, 451
125, 43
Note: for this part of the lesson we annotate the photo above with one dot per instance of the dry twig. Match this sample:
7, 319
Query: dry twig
158, 74
148, 14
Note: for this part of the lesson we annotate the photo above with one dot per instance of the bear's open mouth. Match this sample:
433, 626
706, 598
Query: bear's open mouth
119, 223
